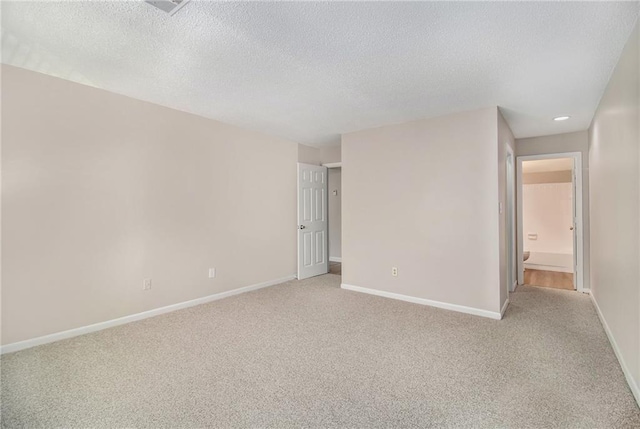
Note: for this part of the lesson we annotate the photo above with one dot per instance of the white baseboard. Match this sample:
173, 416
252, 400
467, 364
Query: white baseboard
504, 308
21, 345
335, 259
548, 268
423, 301
625, 369
546, 261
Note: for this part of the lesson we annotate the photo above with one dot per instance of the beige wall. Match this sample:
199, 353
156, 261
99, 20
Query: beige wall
547, 177
318, 156
309, 155
100, 191
335, 213
547, 211
562, 143
423, 196
614, 158
331, 154
505, 139
556, 143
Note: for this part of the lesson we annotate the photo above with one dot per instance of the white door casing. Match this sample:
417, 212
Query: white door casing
578, 231
512, 266
313, 252
574, 226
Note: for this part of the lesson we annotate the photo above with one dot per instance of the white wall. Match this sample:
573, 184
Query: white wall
614, 157
100, 191
335, 213
562, 143
423, 196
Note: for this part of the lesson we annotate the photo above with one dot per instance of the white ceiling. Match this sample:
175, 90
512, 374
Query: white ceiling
547, 165
311, 71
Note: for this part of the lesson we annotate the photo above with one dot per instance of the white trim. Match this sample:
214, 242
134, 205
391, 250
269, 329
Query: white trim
625, 369
332, 165
553, 268
504, 308
423, 301
335, 259
547, 261
177, 8
577, 168
21, 345
510, 221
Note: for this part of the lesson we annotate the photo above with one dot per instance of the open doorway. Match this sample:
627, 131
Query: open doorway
335, 218
319, 220
550, 221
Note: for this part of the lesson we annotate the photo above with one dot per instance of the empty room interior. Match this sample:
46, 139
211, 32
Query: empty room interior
320, 214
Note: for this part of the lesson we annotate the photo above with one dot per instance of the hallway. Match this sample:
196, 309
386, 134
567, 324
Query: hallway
550, 279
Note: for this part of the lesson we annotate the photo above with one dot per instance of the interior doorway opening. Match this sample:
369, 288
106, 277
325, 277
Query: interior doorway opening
319, 220
335, 218
550, 221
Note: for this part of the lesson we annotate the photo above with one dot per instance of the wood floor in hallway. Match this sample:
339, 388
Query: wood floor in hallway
335, 268
550, 279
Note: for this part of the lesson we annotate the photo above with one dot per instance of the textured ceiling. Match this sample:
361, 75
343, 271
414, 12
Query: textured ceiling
547, 165
311, 71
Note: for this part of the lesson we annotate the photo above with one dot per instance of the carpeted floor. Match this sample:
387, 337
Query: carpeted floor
308, 354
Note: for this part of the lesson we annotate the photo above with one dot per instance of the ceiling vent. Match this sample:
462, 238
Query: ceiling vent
169, 6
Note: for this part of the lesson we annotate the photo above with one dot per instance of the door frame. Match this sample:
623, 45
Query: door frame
511, 230
332, 166
579, 229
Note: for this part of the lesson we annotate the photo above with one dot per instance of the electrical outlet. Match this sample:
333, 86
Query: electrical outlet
146, 284
212, 273
394, 271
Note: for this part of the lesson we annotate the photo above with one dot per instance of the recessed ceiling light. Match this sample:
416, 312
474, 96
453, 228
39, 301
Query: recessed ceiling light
561, 118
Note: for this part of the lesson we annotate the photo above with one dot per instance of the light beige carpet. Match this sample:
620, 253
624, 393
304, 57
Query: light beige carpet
308, 354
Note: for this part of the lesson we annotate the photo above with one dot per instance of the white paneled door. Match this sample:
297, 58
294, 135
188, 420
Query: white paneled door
312, 221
